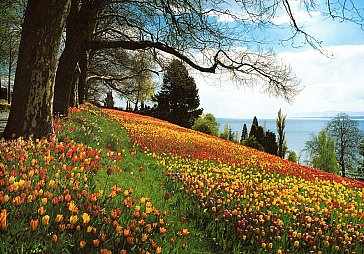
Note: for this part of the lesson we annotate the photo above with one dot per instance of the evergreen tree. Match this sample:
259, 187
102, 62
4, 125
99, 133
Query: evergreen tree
252, 142
254, 127
244, 133
270, 143
257, 131
178, 100
231, 134
281, 125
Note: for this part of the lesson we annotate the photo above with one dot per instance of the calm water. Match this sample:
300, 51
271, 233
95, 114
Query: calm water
298, 130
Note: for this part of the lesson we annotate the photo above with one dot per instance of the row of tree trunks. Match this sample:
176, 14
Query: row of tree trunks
79, 30
31, 110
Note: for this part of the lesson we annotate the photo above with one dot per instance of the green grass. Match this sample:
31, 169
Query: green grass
142, 174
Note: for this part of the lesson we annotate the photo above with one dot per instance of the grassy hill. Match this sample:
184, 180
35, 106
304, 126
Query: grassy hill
116, 182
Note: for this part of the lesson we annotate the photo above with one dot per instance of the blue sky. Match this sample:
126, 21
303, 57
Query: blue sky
330, 84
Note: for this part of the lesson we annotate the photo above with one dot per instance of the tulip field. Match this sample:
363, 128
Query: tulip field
59, 195
251, 201
115, 182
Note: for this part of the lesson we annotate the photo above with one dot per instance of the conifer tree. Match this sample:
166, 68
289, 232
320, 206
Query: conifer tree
244, 133
270, 143
178, 100
256, 131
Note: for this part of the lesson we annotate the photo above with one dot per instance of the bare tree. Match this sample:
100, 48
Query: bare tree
128, 73
11, 18
178, 28
347, 136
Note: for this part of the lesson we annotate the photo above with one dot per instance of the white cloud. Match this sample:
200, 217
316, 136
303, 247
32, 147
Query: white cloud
299, 12
330, 84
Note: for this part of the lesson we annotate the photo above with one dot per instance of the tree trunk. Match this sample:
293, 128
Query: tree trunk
10, 68
31, 113
82, 84
80, 27
74, 94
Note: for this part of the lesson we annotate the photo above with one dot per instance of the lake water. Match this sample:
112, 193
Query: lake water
298, 130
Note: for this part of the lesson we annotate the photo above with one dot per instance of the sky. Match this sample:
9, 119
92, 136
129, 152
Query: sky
330, 84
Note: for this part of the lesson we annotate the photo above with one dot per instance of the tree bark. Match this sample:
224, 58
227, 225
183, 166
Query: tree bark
80, 27
82, 84
74, 102
31, 112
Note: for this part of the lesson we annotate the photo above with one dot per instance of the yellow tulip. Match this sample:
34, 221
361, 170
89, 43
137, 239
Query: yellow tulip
45, 219
85, 218
73, 219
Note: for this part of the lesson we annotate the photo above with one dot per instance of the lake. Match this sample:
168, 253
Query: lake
298, 130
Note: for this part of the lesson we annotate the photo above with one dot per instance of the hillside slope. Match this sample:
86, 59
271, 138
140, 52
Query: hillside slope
248, 198
116, 182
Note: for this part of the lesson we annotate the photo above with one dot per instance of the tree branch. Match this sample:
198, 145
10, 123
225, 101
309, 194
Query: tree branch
133, 45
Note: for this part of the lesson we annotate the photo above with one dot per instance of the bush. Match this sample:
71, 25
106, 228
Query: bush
207, 124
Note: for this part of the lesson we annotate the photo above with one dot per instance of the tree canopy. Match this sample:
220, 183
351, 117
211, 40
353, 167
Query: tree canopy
192, 31
321, 151
348, 137
178, 101
207, 124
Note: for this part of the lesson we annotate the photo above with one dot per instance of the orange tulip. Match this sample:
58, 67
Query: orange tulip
96, 242
54, 238
82, 244
34, 224
3, 224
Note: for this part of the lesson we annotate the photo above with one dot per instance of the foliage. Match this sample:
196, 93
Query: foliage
253, 143
257, 131
178, 100
227, 133
244, 133
129, 74
269, 143
347, 136
249, 201
282, 142
259, 138
321, 150
207, 124
292, 156
4, 107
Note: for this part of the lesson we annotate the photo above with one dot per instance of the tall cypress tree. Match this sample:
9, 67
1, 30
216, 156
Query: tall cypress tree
281, 125
178, 100
256, 131
244, 133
